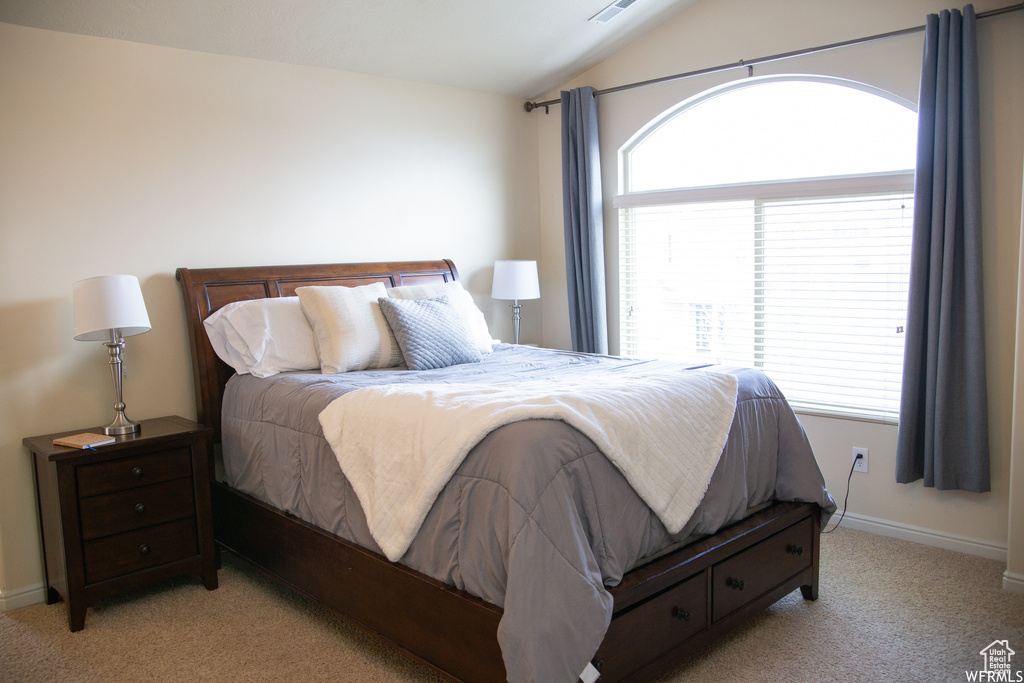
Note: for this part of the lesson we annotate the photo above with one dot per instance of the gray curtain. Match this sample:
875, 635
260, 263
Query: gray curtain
582, 210
943, 431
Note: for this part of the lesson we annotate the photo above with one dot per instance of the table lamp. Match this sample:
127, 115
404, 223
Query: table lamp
515, 280
108, 309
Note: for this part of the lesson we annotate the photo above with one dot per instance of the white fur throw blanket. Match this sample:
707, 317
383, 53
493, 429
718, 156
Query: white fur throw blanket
399, 445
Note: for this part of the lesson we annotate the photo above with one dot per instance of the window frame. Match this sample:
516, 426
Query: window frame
853, 184
652, 126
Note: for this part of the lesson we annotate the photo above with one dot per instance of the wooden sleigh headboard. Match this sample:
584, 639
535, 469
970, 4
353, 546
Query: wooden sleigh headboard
205, 290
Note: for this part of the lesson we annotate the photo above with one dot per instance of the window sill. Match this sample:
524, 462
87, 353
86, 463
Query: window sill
894, 421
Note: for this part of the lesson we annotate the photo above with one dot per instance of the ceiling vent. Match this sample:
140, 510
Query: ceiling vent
611, 11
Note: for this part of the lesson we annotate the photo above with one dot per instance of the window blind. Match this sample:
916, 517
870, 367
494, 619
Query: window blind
812, 290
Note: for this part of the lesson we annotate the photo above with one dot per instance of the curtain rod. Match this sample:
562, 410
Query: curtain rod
749, 63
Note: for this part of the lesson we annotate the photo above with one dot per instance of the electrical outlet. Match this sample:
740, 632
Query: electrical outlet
860, 459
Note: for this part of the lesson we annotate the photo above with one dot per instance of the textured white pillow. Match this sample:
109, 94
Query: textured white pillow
349, 329
263, 336
463, 303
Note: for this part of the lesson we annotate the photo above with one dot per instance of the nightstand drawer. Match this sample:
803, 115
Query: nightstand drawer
129, 552
114, 513
755, 571
128, 473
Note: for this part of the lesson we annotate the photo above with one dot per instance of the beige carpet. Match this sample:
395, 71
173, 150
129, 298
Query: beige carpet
889, 610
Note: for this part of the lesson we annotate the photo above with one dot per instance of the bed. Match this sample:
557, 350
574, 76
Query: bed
669, 604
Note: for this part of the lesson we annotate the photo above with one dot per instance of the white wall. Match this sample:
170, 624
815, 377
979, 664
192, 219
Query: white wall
1013, 578
122, 157
722, 32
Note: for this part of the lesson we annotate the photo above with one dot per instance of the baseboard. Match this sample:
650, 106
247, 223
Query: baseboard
939, 539
22, 597
1013, 583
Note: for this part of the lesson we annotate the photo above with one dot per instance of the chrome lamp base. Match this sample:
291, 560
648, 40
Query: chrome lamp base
515, 318
121, 424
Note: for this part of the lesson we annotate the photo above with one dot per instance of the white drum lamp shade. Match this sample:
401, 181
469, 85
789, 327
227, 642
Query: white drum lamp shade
515, 280
107, 303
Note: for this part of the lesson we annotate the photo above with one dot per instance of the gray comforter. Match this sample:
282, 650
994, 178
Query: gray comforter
536, 520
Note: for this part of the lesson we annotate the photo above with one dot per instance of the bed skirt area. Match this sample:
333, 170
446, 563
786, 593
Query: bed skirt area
664, 611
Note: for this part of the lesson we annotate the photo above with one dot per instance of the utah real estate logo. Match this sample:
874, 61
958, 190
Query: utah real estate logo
997, 666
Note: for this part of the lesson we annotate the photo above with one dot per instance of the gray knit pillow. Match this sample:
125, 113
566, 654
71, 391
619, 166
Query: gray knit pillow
462, 301
430, 332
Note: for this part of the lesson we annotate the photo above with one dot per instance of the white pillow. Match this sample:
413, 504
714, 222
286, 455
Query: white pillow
463, 303
349, 330
263, 336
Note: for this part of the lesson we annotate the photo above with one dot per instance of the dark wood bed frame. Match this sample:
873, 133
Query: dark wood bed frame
664, 610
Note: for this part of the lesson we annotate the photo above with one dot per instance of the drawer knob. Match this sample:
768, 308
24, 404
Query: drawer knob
681, 614
137, 472
143, 549
140, 508
735, 584
795, 549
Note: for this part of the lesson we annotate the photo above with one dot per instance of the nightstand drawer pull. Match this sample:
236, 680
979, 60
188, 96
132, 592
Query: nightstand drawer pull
681, 614
140, 508
137, 472
143, 549
736, 584
795, 549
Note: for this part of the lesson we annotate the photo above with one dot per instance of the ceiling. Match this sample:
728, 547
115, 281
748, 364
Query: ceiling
522, 48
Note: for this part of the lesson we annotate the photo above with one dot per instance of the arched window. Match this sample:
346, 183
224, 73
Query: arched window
767, 223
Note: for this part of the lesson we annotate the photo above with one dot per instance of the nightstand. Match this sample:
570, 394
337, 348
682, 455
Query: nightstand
126, 514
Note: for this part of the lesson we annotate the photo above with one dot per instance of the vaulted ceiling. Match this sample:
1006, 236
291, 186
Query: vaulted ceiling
521, 48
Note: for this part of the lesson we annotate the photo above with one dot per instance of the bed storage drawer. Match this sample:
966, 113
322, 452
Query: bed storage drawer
746, 575
654, 627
